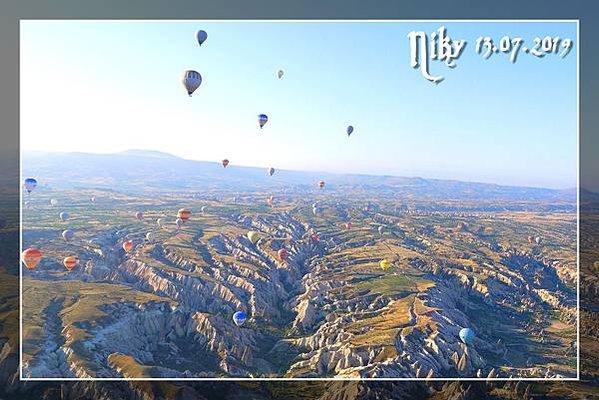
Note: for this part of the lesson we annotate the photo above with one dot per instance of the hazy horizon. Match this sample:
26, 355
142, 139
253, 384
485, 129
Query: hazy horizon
232, 165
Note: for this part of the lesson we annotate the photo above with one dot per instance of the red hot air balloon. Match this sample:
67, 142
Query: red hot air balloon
283, 254
128, 246
321, 184
225, 163
32, 257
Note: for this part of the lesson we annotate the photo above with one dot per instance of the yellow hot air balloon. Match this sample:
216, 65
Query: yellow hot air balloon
32, 257
184, 214
70, 262
253, 236
385, 264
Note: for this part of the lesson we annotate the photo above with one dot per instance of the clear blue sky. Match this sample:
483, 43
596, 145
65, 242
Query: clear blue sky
102, 86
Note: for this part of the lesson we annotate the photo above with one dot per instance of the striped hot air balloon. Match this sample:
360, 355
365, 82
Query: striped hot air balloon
70, 262
262, 120
191, 81
184, 214
31, 257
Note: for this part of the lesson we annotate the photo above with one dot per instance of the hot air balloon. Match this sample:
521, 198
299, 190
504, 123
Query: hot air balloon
315, 210
63, 216
280, 73
179, 222
321, 184
239, 318
385, 264
31, 257
201, 36
160, 222
538, 240
93, 199
348, 225
128, 246
350, 129
283, 254
68, 234
262, 120
191, 81
184, 214
253, 236
270, 201
531, 239
225, 163
150, 236
53, 202
381, 229
271, 171
467, 335
315, 237
203, 209
139, 215
70, 262
30, 184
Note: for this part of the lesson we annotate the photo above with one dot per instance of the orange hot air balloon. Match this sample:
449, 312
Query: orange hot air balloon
184, 214
283, 254
70, 262
128, 245
32, 257
321, 184
270, 201
225, 163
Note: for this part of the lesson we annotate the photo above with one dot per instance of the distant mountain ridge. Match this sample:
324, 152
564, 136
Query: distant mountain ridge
135, 170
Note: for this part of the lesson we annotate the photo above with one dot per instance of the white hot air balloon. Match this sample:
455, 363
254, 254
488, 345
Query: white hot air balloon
191, 81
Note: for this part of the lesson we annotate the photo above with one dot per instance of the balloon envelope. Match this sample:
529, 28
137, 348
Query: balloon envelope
321, 184
253, 236
179, 222
191, 80
70, 262
139, 215
160, 222
239, 318
385, 264
53, 202
68, 234
262, 120
31, 257
128, 245
183, 214
350, 129
150, 236
280, 73
283, 254
30, 184
271, 171
225, 163
381, 229
467, 335
201, 36
63, 216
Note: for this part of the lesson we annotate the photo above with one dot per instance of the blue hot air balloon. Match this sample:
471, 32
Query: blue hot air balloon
467, 335
262, 120
239, 318
30, 184
63, 216
201, 36
350, 129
